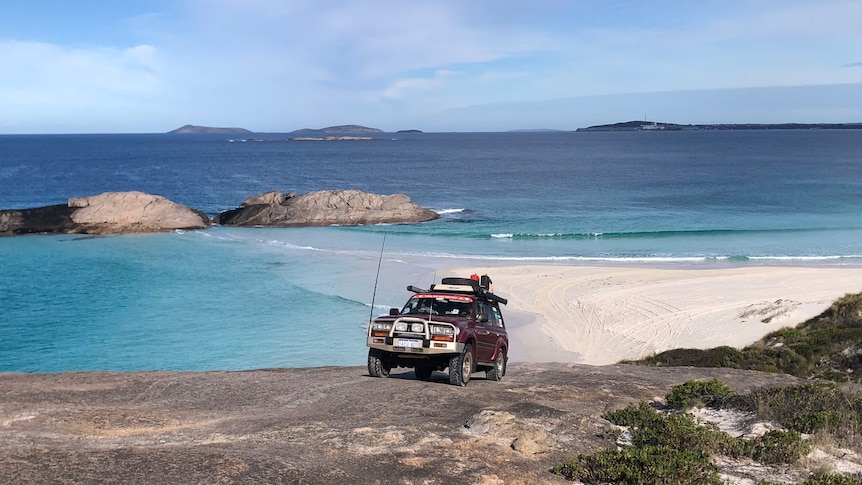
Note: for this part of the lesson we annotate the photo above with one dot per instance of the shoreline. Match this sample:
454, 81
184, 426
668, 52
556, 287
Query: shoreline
601, 314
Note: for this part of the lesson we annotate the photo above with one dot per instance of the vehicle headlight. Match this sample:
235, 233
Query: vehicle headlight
401, 326
417, 327
381, 326
442, 330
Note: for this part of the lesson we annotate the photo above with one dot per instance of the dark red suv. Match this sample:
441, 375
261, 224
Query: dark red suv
455, 324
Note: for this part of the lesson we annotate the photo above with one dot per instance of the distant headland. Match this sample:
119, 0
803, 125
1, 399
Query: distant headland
659, 126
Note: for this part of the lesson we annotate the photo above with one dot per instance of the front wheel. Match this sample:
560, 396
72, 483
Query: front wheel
497, 372
378, 366
461, 367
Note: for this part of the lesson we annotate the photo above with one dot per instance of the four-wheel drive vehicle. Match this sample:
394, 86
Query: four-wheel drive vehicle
455, 324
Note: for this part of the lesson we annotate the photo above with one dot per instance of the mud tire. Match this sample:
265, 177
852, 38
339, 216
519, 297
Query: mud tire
461, 367
378, 365
497, 372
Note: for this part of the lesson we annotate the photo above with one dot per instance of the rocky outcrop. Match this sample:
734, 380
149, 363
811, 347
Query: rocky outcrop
322, 426
274, 197
325, 208
333, 138
40, 220
107, 213
130, 212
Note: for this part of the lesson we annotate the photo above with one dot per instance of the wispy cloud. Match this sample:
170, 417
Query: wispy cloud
285, 64
39, 77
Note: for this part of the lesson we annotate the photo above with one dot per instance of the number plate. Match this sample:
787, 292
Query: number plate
411, 344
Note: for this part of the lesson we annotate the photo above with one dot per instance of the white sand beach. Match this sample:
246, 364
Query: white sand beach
600, 315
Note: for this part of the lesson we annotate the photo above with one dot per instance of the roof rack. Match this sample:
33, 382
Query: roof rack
449, 285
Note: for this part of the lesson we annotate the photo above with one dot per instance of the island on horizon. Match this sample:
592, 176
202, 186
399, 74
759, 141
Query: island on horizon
195, 129
340, 129
337, 129
661, 126
637, 125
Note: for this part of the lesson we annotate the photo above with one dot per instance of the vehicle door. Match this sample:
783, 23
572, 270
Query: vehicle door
486, 332
499, 328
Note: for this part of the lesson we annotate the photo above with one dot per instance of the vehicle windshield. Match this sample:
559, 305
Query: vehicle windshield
438, 306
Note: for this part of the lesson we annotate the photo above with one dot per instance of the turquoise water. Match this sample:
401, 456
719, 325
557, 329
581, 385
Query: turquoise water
240, 298
168, 301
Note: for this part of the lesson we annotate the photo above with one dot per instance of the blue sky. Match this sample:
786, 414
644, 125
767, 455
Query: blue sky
89, 66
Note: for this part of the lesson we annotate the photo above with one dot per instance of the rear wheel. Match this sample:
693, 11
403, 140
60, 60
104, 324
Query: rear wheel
497, 372
423, 373
461, 367
378, 365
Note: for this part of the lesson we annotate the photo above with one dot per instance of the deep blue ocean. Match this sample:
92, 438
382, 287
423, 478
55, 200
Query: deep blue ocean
242, 298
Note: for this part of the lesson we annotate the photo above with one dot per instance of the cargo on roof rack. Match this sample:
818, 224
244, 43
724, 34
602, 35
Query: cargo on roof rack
460, 282
453, 285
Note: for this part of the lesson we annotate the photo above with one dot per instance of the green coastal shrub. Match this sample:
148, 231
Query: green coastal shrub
683, 431
650, 428
645, 465
697, 393
716, 357
847, 309
807, 408
833, 479
779, 360
816, 421
774, 447
676, 447
635, 416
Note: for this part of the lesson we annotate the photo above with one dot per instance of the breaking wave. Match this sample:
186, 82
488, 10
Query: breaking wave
644, 234
444, 212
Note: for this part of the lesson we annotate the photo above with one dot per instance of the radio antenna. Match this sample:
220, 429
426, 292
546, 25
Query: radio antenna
379, 262
431, 307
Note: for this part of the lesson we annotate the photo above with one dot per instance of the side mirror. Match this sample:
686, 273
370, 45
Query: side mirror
393, 311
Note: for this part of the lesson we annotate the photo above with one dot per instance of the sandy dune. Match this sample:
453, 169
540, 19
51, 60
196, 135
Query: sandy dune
600, 315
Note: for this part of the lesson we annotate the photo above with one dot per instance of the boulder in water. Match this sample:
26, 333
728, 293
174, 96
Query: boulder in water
325, 208
107, 213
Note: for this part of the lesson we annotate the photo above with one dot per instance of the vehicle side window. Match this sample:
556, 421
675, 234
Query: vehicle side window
493, 320
480, 310
498, 316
